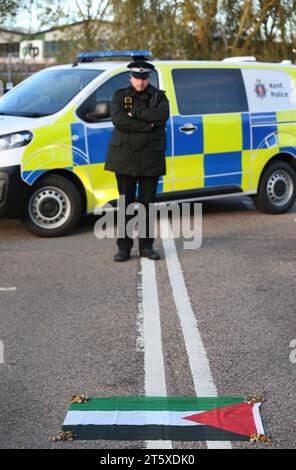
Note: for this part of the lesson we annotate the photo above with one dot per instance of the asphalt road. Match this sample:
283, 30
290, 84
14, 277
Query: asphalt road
73, 322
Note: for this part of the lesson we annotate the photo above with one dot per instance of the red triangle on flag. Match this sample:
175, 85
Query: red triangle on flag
237, 418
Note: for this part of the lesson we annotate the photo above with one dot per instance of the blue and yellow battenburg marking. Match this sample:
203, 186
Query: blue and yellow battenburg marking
229, 149
216, 153
224, 150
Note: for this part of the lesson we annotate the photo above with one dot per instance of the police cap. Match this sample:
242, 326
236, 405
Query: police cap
140, 68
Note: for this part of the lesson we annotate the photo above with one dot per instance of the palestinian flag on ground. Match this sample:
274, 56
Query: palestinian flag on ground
164, 418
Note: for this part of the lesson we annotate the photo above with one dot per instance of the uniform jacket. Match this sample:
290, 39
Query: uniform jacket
136, 148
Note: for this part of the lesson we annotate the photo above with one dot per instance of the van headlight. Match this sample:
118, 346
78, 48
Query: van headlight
17, 139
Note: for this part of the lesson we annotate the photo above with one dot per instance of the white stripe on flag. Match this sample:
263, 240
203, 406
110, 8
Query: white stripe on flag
133, 418
257, 418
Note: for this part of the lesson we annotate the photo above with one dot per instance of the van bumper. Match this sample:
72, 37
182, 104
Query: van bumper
13, 192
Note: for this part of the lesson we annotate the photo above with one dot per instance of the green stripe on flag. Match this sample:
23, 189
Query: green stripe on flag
156, 403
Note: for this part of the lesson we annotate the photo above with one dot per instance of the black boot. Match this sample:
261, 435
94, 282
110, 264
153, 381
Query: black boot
122, 255
149, 253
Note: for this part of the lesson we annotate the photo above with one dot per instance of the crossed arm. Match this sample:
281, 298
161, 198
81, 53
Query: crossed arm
155, 114
139, 119
124, 122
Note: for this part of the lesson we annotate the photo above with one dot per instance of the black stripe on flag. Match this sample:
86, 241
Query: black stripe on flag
153, 432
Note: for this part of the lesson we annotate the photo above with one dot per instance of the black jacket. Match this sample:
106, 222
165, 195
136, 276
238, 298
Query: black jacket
136, 148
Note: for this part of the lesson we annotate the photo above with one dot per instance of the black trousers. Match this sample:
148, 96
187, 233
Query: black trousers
147, 194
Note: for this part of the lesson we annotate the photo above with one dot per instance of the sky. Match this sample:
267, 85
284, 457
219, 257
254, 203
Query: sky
30, 17
25, 19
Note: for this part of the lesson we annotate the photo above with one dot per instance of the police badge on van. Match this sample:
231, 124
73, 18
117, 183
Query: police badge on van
260, 89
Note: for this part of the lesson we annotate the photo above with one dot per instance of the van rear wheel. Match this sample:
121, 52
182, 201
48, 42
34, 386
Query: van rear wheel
277, 189
53, 208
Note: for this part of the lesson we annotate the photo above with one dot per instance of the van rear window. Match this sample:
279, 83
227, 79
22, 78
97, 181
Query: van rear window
209, 91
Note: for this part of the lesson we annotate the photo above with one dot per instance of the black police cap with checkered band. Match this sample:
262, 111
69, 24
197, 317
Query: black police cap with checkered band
140, 68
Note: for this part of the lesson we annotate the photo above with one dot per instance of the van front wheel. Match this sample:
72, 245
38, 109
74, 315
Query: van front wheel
277, 189
53, 208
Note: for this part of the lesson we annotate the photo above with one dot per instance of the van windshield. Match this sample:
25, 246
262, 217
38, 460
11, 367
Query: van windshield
46, 92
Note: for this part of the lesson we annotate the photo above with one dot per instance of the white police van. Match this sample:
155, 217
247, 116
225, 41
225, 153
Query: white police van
231, 131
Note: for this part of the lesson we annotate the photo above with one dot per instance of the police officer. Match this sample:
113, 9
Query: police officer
136, 151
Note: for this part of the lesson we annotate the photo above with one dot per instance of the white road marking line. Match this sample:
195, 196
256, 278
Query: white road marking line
140, 327
198, 361
155, 383
7, 289
1, 352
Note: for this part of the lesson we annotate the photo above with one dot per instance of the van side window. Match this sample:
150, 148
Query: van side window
209, 91
106, 91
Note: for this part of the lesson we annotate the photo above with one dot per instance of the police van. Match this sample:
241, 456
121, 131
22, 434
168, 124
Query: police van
231, 131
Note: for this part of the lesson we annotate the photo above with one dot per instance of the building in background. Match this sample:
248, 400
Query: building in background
10, 42
23, 53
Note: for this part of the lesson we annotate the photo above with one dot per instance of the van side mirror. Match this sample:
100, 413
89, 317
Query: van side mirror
102, 111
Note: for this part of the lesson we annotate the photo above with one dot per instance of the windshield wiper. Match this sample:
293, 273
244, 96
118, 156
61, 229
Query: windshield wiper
33, 115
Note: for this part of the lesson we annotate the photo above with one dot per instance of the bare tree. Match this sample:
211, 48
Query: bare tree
192, 29
8, 9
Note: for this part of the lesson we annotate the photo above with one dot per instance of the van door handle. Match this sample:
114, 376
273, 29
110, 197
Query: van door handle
188, 128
